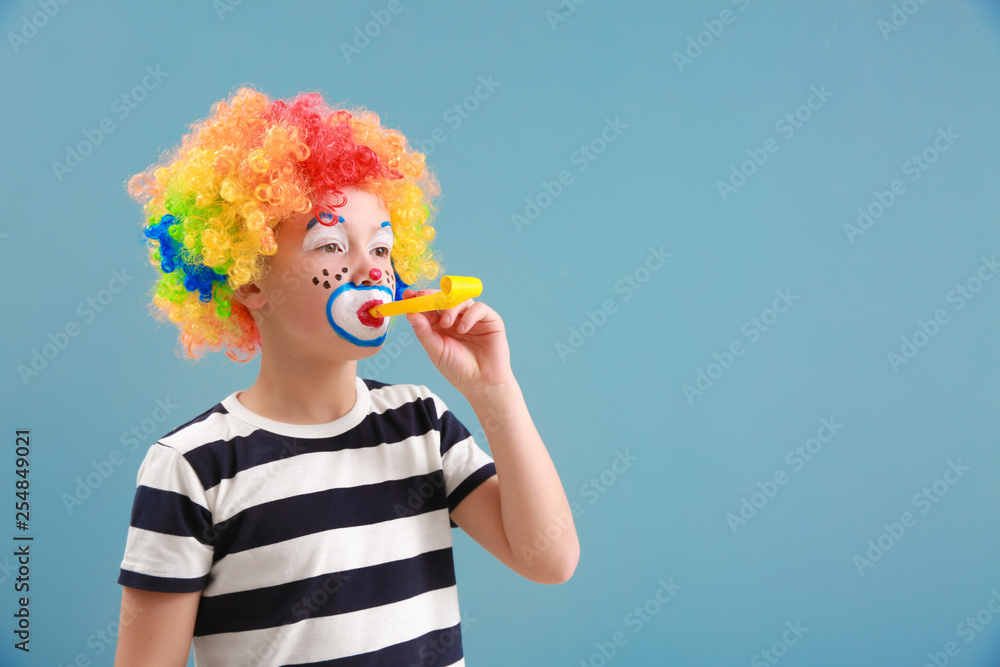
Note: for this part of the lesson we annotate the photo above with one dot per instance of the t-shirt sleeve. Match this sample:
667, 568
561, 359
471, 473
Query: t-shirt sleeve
170, 535
465, 464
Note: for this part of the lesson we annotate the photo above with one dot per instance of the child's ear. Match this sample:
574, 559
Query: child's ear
250, 296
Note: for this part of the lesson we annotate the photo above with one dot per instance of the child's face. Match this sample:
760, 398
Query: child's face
338, 272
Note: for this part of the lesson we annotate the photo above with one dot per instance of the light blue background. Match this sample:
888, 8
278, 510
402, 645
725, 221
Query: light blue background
655, 185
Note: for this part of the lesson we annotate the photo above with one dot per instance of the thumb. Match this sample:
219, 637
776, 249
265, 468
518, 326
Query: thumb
421, 327
430, 340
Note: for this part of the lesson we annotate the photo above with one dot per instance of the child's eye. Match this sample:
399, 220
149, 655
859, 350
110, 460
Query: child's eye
381, 252
327, 245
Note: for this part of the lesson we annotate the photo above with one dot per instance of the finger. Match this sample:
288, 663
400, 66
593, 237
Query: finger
424, 332
410, 293
473, 314
423, 320
431, 316
451, 315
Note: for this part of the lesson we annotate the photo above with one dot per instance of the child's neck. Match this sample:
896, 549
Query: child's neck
293, 392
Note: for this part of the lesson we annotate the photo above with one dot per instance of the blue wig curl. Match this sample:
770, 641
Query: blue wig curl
197, 276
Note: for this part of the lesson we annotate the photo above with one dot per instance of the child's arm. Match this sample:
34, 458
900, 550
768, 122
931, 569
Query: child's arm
535, 513
155, 629
521, 515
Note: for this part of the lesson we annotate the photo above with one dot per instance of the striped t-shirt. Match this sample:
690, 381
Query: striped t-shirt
319, 544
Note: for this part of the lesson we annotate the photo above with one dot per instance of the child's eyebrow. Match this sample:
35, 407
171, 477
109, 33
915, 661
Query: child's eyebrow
382, 235
313, 222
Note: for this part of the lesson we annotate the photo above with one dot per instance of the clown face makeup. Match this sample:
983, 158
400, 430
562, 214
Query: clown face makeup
354, 243
347, 311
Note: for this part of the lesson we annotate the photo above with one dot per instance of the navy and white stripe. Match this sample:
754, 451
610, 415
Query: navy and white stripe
320, 544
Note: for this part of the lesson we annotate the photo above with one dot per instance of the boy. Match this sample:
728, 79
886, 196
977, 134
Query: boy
307, 519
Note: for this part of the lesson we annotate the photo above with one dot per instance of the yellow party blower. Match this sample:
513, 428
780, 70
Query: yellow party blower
454, 290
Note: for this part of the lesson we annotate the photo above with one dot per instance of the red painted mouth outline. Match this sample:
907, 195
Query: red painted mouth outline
366, 317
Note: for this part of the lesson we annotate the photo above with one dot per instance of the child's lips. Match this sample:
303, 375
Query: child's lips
366, 317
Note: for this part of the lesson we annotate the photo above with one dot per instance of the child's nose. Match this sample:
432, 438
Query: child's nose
367, 273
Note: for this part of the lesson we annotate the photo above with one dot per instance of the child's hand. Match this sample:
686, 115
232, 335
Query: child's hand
467, 343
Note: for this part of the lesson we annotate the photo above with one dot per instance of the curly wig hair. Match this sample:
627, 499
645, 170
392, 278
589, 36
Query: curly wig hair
214, 202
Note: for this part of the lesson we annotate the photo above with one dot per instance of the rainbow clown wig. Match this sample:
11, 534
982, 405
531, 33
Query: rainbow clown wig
214, 202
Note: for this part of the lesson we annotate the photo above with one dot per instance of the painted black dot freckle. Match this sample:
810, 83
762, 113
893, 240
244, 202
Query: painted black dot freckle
337, 276
326, 284
344, 270
325, 273
315, 280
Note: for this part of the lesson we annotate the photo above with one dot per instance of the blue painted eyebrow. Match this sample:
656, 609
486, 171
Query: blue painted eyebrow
312, 222
340, 219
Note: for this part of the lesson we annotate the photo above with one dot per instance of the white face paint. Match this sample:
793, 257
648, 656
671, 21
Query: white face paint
382, 238
347, 311
319, 235
350, 274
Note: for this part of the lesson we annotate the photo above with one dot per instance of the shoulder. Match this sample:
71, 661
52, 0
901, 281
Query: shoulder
203, 443
199, 428
386, 397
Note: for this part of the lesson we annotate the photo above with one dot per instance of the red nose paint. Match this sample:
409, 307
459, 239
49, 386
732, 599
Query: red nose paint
376, 274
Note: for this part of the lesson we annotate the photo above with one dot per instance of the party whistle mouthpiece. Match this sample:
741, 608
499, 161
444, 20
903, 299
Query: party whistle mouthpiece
454, 290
